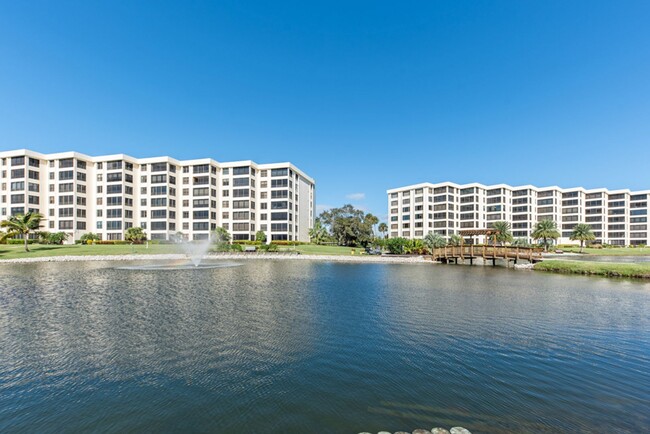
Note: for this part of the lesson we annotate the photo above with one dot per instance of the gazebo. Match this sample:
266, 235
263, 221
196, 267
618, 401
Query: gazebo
476, 232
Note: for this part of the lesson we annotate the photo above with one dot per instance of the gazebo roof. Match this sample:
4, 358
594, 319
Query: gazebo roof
473, 232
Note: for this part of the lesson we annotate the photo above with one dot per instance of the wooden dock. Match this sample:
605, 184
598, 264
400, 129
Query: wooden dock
452, 254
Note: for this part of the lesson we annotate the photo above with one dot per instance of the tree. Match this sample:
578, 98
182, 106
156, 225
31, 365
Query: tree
260, 236
383, 229
221, 235
349, 226
318, 234
503, 234
455, 240
545, 230
22, 224
135, 234
434, 241
582, 232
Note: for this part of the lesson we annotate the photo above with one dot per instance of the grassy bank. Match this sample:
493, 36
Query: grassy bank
614, 251
313, 249
13, 251
608, 269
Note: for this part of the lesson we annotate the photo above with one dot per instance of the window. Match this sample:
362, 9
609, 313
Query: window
66, 224
280, 205
114, 177
158, 201
201, 168
114, 201
201, 180
66, 188
113, 189
114, 213
240, 171
112, 165
241, 192
159, 167
17, 161
279, 216
66, 162
201, 215
279, 194
201, 226
158, 179
159, 226
203, 191
158, 213
241, 182
279, 183
66, 175
159, 190
19, 186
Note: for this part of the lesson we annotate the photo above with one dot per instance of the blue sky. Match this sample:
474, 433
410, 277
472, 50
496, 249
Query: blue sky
362, 95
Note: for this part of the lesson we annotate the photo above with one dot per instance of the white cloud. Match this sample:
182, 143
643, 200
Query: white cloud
356, 196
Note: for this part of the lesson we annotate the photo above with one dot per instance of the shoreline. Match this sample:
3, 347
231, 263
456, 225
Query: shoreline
243, 256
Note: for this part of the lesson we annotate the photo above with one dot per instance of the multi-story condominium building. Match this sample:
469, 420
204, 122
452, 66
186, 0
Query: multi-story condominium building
617, 217
168, 198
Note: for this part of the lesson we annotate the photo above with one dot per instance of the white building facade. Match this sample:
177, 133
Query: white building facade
618, 217
168, 198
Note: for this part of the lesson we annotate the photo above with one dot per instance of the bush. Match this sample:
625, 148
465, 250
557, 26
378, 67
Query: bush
89, 236
14, 241
396, 245
236, 248
269, 247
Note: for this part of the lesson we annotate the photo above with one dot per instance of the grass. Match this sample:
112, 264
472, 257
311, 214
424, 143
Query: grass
608, 269
614, 251
313, 249
12, 251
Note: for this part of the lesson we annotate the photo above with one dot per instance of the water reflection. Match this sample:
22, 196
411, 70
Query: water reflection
288, 346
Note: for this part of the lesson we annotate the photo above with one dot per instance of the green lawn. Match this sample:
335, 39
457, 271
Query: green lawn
11, 251
609, 269
313, 249
614, 251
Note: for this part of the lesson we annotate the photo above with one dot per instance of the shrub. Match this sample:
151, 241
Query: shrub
89, 236
396, 245
14, 241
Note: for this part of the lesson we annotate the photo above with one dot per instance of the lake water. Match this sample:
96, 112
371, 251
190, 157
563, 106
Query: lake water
315, 347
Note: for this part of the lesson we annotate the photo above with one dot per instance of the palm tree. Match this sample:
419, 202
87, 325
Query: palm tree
434, 241
520, 242
455, 240
582, 232
318, 234
383, 229
503, 234
22, 224
544, 230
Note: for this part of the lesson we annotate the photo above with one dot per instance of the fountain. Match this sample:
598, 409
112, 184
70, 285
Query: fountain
194, 250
